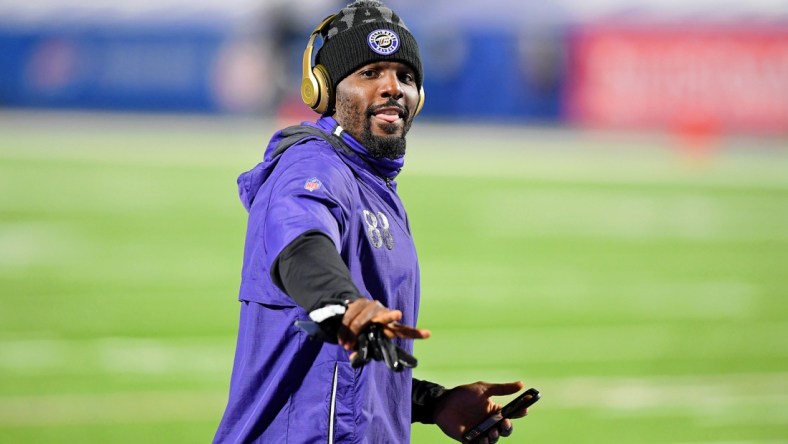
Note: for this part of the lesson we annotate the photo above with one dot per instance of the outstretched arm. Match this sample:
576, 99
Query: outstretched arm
312, 273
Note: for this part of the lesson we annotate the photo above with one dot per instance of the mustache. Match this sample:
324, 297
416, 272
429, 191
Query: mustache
391, 103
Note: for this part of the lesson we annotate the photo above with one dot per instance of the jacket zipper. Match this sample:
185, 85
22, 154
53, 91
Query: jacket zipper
333, 406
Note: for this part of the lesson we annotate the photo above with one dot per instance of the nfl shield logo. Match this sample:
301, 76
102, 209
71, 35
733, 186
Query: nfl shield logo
312, 184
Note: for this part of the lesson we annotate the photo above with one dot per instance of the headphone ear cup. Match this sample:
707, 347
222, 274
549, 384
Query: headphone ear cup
310, 93
322, 89
421, 102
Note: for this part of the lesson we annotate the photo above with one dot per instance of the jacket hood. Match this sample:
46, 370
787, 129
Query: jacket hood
251, 181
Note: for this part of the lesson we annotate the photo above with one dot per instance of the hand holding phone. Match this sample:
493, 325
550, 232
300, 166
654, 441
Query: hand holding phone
525, 400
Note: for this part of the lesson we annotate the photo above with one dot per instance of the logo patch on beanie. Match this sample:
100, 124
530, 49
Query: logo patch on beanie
383, 41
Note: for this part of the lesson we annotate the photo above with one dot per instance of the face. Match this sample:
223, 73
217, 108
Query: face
376, 105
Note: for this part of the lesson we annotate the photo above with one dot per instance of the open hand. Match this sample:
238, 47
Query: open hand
463, 407
363, 312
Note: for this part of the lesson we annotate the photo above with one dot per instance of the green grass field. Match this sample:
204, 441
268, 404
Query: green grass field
642, 290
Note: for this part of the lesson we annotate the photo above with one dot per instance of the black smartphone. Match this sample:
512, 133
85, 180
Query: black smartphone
526, 399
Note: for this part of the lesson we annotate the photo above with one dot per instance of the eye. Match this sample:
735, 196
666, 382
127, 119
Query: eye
407, 77
368, 73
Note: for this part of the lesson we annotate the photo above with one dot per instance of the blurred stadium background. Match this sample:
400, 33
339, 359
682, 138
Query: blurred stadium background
598, 190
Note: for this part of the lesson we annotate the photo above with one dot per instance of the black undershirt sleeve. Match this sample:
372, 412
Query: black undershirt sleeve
424, 397
312, 273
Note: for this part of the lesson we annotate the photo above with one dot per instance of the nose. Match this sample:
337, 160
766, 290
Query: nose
390, 85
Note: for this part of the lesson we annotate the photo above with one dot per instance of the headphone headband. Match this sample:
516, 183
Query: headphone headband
314, 81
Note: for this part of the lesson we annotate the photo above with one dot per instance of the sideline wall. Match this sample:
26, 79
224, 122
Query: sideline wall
720, 78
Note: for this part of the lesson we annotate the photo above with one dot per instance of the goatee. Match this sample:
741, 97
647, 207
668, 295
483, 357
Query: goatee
391, 146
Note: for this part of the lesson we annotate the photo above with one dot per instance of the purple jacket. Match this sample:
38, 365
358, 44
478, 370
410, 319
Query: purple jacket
286, 388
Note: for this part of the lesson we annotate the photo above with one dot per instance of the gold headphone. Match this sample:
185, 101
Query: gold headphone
315, 82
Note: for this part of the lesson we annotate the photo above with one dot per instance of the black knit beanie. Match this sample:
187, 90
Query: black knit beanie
365, 32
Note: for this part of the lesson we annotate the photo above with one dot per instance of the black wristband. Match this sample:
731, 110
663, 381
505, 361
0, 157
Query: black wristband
425, 396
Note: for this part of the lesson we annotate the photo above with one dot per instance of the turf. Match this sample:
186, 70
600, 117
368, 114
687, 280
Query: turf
640, 286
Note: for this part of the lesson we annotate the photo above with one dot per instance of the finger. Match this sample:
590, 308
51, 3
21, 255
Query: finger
520, 413
386, 316
493, 436
367, 315
506, 427
503, 389
395, 329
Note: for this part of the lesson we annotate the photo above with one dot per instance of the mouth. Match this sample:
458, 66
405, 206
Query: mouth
389, 114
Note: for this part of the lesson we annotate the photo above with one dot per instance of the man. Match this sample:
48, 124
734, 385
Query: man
327, 229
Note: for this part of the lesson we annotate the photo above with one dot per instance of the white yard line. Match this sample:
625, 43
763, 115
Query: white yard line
618, 343
205, 355
113, 408
630, 215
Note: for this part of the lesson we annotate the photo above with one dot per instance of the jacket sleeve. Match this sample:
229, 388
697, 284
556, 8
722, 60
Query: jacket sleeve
312, 273
424, 397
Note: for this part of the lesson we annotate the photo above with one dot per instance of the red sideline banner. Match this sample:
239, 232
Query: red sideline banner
681, 78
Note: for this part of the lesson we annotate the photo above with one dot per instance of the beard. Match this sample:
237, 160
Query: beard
390, 146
